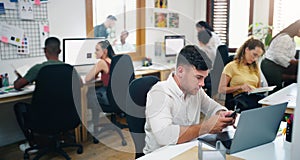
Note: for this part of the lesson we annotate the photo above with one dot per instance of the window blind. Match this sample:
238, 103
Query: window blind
220, 19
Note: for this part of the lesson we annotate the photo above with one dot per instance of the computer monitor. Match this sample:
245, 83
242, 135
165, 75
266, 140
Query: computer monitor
80, 51
173, 44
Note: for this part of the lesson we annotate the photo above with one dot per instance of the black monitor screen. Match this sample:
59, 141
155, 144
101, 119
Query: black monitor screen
80, 51
173, 44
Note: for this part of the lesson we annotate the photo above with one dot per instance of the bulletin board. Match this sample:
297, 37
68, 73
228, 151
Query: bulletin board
31, 30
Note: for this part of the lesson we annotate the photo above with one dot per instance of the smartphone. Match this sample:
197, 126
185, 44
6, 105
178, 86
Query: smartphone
233, 114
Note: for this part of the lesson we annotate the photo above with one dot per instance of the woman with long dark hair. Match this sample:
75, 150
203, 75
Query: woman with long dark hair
104, 53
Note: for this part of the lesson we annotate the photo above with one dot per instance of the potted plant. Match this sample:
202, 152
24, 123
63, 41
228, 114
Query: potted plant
261, 32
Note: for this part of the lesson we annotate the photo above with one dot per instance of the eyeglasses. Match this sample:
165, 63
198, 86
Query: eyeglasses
255, 55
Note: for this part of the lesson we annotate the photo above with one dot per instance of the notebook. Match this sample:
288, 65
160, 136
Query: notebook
255, 127
262, 89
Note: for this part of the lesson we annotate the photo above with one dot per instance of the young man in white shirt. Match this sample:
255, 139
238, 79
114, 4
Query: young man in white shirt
173, 106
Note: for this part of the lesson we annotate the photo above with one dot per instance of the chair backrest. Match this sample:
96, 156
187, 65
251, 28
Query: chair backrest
220, 61
55, 100
135, 109
222, 50
121, 74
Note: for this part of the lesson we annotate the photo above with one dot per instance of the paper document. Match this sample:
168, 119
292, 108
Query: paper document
262, 89
286, 94
21, 70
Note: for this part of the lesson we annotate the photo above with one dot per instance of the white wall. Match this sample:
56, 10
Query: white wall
261, 11
190, 11
66, 19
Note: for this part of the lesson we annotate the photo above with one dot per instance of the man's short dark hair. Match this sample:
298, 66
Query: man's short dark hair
53, 45
204, 36
193, 55
111, 17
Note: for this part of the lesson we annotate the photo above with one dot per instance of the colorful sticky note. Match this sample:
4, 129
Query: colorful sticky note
4, 39
2, 9
46, 29
37, 2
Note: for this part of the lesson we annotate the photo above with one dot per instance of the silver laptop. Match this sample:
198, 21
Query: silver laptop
255, 127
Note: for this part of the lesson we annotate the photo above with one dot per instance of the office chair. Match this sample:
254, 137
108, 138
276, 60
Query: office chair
121, 74
53, 110
213, 79
135, 109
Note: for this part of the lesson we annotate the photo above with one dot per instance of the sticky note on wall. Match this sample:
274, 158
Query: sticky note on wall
37, 2
46, 29
4, 39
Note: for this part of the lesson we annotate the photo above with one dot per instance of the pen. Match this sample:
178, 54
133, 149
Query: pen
8, 89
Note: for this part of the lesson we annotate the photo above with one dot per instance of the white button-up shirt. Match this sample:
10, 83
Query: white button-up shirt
167, 109
282, 50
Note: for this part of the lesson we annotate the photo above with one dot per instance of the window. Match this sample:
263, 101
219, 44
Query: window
284, 13
129, 15
230, 20
219, 18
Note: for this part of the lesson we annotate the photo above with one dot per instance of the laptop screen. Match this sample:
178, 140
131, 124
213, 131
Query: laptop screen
255, 127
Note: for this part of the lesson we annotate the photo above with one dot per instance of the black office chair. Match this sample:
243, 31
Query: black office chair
135, 109
121, 74
53, 110
213, 79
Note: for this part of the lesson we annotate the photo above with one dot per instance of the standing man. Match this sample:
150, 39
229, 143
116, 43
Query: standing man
103, 30
173, 106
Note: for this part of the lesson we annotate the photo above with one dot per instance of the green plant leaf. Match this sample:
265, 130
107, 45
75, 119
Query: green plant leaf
268, 39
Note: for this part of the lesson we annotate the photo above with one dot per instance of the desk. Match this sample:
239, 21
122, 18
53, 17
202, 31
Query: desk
286, 94
279, 149
26, 93
162, 73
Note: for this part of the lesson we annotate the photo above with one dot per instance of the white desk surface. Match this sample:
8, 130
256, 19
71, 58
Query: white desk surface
279, 149
155, 67
287, 94
11, 93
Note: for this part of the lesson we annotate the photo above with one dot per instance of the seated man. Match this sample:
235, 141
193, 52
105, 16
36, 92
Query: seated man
52, 50
122, 45
173, 106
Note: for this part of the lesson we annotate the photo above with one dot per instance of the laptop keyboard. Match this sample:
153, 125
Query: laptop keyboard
225, 138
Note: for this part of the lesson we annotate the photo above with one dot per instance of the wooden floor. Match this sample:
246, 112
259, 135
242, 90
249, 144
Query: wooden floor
109, 148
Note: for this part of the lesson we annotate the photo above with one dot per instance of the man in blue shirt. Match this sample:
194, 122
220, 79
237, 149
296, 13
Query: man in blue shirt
102, 30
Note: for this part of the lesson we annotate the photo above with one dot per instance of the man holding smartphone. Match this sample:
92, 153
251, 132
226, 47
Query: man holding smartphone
174, 106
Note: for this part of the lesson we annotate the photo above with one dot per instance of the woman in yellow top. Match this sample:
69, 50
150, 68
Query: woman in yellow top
243, 74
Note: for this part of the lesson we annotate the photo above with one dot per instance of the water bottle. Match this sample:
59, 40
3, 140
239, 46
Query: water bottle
5, 81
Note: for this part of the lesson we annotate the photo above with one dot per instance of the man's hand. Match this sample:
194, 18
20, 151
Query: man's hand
217, 123
18, 74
